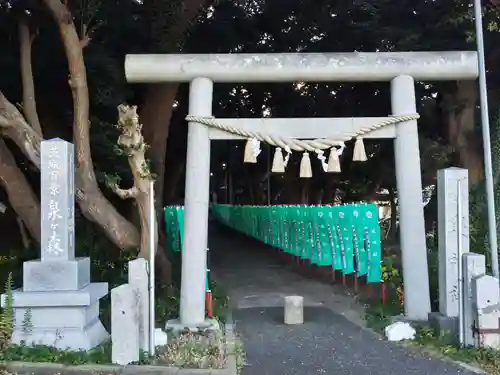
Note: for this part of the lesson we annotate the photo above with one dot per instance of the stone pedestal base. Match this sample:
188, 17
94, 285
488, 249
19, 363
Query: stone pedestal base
56, 275
444, 325
175, 326
65, 319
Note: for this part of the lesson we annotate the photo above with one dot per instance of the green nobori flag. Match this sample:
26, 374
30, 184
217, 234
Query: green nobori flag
358, 229
172, 227
180, 225
373, 245
333, 238
266, 223
323, 251
311, 235
342, 216
304, 243
275, 230
279, 216
286, 229
294, 215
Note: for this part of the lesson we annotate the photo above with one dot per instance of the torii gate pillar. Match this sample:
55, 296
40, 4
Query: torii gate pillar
410, 201
196, 203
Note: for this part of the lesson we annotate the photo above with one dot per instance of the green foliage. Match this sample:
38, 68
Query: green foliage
478, 220
378, 317
41, 353
7, 315
486, 358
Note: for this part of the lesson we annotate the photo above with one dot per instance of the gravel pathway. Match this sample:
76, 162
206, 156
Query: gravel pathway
326, 344
332, 339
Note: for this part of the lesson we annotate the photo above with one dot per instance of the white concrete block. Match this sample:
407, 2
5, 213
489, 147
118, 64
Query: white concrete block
474, 265
161, 337
487, 300
139, 280
124, 325
294, 310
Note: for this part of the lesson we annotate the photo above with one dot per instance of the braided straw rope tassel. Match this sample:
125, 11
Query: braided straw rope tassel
309, 145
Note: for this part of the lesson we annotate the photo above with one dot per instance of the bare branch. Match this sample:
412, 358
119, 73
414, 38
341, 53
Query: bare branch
124, 193
24, 234
14, 126
29, 101
21, 197
85, 41
60, 11
132, 144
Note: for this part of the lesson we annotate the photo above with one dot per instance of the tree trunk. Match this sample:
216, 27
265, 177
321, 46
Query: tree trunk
95, 206
156, 113
29, 102
459, 108
21, 196
172, 182
169, 21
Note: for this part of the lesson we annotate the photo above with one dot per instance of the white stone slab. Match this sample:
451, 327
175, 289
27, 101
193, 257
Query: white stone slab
474, 265
56, 275
138, 279
448, 235
124, 325
487, 300
83, 297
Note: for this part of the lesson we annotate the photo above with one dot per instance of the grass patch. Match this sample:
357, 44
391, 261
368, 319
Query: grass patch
485, 358
199, 350
195, 350
377, 318
47, 354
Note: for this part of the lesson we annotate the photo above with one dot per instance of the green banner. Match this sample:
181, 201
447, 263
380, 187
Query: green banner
346, 237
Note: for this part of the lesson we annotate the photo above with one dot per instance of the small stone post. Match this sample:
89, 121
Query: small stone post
294, 310
138, 279
124, 325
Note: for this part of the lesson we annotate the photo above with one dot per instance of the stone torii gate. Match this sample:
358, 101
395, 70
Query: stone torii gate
401, 69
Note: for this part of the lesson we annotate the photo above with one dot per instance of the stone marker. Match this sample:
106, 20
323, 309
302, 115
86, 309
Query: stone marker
57, 270
474, 265
138, 279
486, 296
57, 200
294, 310
63, 304
124, 325
447, 186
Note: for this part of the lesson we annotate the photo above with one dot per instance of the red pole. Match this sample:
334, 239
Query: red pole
209, 303
384, 294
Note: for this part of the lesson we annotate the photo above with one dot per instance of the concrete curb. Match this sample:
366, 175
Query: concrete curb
37, 368
34, 368
232, 366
